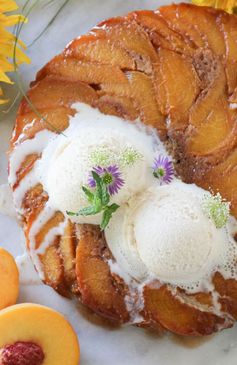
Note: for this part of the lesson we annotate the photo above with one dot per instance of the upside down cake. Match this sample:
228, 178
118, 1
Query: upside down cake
152, 82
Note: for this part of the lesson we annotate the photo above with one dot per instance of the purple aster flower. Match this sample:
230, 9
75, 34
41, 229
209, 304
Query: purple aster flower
111, 176
163, 169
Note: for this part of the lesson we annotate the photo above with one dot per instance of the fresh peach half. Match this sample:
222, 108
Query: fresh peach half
31, 334
9, 279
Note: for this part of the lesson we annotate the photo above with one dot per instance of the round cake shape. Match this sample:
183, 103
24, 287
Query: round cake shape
175, 69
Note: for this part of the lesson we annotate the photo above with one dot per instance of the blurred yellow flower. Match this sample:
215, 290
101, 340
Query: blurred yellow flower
227, 5
8, 43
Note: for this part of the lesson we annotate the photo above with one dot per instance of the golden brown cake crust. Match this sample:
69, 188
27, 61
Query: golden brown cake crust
175, 68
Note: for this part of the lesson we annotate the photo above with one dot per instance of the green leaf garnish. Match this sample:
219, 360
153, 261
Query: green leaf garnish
216, 209
88, 193
99, 199
108, 214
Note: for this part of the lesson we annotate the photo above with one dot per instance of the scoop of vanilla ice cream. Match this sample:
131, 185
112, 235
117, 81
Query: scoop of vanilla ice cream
164, 233
95, 139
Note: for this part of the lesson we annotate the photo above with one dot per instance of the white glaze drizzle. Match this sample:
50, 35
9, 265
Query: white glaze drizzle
27, 147
25, 184
44, 216
134, 299
28, 274
18, 155
233, 105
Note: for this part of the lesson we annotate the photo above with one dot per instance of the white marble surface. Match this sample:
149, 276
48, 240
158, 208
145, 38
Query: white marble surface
100, 345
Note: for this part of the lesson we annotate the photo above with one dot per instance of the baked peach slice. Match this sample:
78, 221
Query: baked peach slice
178, 313
140, 89
33, 202
53, 92
228, 26
179, 22
74, 70
99, 290
181, 86
119, 106
25, 168
32, 334
131, 37
227, 290
160, 33
53, 269
215, 137
201, 23
9, 279
213, 78
95, 48
55, 120
67, 252
58, 260
223, 178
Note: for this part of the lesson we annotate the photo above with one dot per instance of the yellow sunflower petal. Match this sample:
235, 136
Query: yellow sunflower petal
2, 101
7, 37
11, 54
7, 5
5, 78
5, 65
8, 21
7, 50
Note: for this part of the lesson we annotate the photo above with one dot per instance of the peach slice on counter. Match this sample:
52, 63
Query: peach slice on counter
31, 334
9, 279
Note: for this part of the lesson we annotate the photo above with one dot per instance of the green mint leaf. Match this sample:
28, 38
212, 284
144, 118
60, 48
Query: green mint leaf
99, 184
88, 193
105, 195
101, 189
97, 204
105, 219
71, 213
91, 210
113, 207
108, 212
